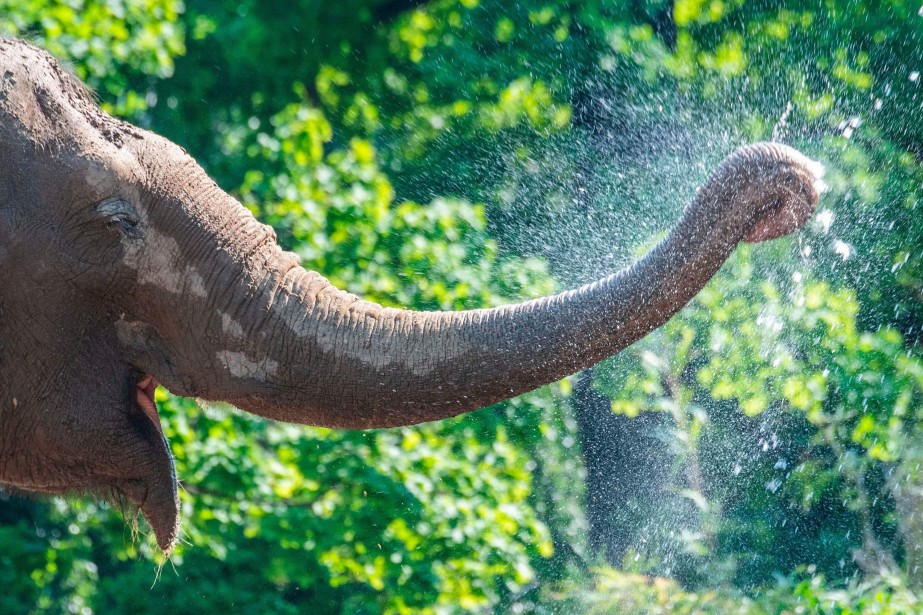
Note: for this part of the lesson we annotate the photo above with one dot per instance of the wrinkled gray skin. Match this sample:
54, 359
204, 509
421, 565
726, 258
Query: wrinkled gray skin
120, 259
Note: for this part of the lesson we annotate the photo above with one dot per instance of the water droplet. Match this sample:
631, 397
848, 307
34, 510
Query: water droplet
848, 127
843, 249
901, 263
824, 220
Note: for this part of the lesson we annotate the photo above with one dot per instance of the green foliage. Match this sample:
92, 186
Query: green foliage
110, 43
336, 210
401, 508
825, 425
610, 591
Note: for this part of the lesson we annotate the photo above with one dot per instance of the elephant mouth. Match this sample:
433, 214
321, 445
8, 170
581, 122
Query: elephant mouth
144, 396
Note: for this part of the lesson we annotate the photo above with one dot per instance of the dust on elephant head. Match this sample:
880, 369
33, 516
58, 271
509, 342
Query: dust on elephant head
123, 264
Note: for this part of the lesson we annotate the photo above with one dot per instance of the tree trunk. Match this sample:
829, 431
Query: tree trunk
625, 468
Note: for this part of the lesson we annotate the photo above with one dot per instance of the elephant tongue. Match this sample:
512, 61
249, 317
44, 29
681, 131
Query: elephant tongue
145, 398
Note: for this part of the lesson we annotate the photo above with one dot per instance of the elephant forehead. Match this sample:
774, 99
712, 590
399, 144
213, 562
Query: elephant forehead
117, 174
44, 102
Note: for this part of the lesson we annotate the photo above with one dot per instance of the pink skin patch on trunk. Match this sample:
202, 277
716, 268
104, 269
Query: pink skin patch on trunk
145, 398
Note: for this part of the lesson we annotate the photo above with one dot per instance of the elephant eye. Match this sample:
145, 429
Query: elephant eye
121, 216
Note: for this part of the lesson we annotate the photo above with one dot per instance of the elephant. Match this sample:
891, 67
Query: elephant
124, 266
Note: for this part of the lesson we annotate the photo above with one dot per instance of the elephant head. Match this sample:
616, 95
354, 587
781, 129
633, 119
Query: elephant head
122, 262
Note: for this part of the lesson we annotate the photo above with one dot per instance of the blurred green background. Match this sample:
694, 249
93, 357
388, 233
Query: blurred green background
759, 454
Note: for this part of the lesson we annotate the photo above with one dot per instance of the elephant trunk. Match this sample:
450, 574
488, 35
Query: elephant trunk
309, 353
